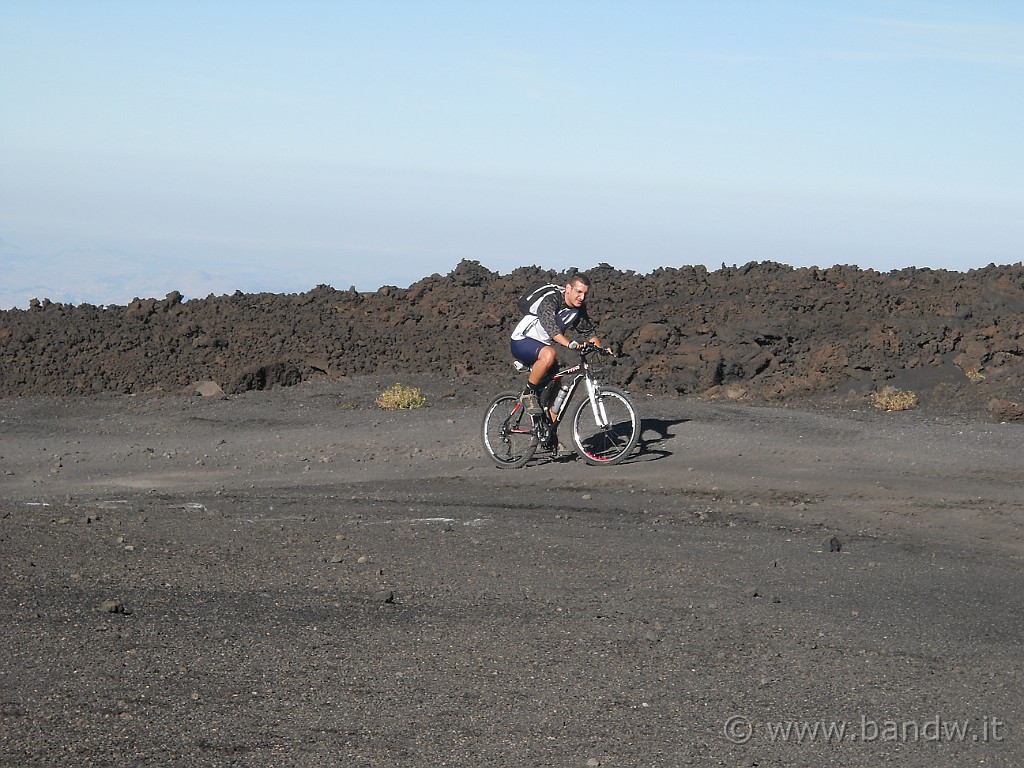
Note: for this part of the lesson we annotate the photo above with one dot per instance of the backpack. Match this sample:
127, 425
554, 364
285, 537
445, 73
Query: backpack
529, 301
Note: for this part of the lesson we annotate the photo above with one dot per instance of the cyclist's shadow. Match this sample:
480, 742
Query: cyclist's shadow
648, 448
653, 448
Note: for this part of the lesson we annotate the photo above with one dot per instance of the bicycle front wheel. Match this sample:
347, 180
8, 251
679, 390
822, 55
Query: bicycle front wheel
509, 436
606, 432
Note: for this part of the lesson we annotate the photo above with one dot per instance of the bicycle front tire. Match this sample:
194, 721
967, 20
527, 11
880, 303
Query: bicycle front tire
609, 442
509, 437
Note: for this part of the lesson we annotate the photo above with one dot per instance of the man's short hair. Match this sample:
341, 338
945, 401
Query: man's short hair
579, 277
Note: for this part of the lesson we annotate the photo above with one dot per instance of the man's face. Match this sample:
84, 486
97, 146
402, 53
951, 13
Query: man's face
575, 294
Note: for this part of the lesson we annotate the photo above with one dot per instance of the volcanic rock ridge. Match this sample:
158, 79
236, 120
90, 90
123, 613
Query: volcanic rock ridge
763, 331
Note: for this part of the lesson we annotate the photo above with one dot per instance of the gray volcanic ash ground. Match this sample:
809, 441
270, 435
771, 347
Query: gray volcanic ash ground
286, 575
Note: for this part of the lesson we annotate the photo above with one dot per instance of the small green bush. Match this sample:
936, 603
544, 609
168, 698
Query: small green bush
401, 398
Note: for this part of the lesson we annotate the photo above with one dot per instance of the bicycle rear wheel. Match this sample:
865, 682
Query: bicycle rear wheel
612, 434
508, 433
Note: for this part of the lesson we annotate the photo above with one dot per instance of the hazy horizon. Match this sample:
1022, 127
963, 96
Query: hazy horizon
186, 296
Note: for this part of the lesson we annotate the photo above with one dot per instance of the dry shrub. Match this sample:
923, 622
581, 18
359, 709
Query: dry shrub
401, 398
892, 399
974, 375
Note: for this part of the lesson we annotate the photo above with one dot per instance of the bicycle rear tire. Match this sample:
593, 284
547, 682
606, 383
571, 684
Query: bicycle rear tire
612, 442
508, 433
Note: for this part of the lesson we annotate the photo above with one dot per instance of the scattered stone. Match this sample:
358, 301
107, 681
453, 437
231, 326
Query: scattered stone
208, 389
735, 393
112, 606
834, 544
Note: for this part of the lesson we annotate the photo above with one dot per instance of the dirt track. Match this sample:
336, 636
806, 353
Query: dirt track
297, 578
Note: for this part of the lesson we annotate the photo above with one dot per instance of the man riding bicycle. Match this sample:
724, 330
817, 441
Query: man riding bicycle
536, 334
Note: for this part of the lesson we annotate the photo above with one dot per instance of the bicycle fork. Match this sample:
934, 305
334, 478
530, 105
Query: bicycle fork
596, 404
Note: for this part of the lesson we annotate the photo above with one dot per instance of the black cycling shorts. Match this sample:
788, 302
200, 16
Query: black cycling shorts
527, 350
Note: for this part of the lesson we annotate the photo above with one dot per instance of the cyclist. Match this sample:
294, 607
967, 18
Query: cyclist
535, 336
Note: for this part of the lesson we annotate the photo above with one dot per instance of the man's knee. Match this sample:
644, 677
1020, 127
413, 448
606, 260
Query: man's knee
546, 356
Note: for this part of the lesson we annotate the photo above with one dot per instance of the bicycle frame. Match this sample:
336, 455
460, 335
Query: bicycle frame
583, 373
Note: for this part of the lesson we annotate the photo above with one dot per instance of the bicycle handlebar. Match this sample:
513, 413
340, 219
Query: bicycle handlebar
586, 348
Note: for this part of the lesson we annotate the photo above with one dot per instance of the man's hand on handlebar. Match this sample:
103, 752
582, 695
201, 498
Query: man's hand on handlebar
584, 347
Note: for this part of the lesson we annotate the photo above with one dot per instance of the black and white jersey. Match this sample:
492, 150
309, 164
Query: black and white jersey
553, 317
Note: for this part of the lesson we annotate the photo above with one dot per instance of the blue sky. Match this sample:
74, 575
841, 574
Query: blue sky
207, 147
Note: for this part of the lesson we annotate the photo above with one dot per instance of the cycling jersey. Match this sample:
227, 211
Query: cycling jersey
553, 317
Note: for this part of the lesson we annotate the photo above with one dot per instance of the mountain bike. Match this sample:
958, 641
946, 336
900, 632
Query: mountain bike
605, 425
